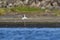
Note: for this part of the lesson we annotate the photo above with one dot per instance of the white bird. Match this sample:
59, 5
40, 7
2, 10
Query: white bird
24, 17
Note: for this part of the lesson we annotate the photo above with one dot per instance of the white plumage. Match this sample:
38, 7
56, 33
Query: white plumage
24, 17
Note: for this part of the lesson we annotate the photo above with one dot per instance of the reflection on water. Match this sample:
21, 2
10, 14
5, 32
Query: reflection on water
29, 33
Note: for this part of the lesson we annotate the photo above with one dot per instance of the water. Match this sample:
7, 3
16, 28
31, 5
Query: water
29, 33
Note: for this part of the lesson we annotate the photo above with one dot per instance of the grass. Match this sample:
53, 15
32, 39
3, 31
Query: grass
2, 11
26, 9
56, 11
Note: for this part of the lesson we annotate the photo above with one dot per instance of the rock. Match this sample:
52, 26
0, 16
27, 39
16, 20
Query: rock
34, 3
42, 7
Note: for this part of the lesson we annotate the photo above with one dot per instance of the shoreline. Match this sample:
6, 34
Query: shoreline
41, 22
31, 19
30, 25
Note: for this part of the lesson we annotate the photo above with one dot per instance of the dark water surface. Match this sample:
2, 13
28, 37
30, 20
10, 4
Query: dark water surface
29, 33
29, 25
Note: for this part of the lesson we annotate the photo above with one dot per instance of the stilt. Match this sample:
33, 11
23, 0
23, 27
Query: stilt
23, 18
24, 23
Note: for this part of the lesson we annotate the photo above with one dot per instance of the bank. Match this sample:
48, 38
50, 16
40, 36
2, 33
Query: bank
41, 22
29, 25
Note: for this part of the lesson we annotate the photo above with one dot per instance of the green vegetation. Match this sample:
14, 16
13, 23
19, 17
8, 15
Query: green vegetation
56, 11
2, 11
24, 9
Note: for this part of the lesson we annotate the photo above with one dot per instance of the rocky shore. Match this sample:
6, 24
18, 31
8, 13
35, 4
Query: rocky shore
30, 7
32, 3
37, 11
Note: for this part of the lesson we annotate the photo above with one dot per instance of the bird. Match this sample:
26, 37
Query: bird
24, 17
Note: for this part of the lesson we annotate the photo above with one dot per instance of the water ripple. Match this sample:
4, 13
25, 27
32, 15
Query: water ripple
29, 33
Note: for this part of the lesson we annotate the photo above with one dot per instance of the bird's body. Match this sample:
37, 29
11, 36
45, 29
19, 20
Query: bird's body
24, 17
